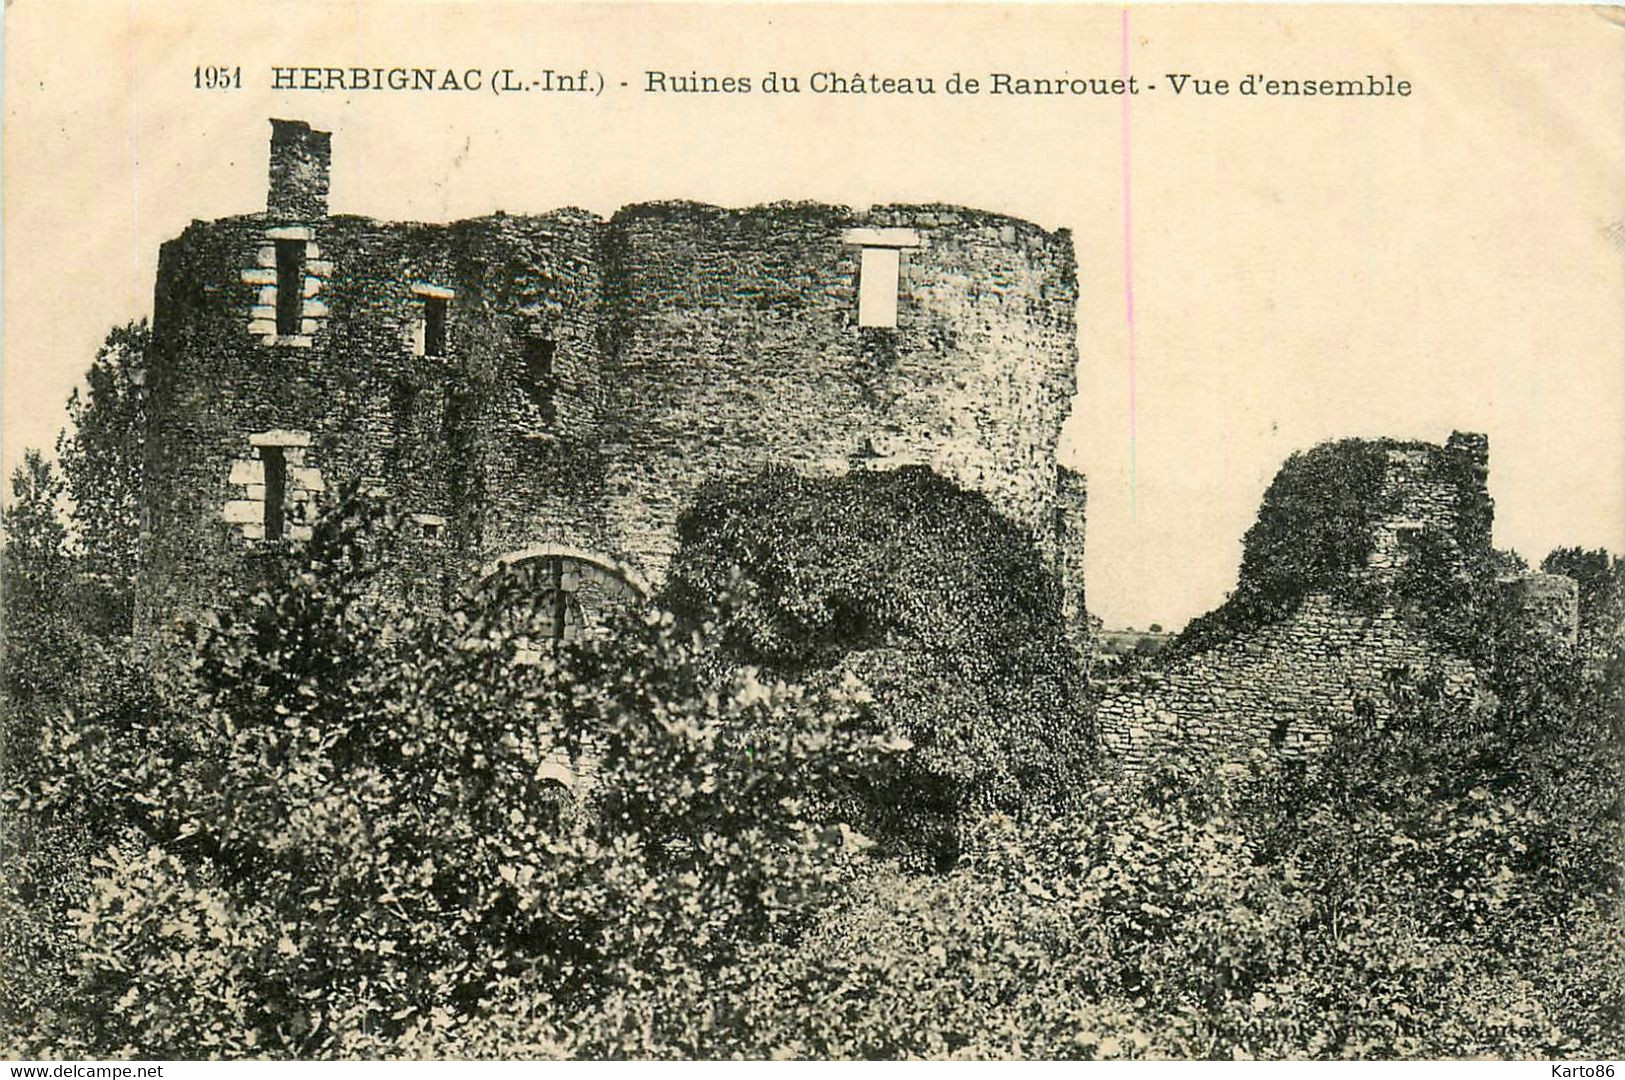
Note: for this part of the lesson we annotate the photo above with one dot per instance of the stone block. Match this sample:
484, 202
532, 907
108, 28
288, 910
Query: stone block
280, 437
881, 238
247, 471
243, 511
306, 478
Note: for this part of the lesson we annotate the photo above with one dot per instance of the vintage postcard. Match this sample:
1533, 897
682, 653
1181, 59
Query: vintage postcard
816, 531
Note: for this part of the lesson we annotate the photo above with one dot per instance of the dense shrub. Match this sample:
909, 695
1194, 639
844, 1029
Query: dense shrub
1403, 915
346, 831
941, 605
338, 830
1434, 889
59, 654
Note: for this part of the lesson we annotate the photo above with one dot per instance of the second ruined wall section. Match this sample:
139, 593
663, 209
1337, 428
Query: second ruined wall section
1283, 688
1345, 647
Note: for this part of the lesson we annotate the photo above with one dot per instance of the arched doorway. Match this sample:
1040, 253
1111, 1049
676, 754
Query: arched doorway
573, 590
564, 594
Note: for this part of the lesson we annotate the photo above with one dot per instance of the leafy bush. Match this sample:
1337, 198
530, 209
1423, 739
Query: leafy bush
938, 603
59, 653
347, 832
1402, 915
340, 832
1415, 892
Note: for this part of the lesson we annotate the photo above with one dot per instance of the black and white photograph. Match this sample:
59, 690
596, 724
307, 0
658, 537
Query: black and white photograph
689, 532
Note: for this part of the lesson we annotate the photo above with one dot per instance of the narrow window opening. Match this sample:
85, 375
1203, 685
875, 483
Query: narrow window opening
434, 325
877, 287
275, 465
290, 285
539, 380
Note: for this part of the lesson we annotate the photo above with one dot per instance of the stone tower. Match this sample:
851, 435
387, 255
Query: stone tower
556, 387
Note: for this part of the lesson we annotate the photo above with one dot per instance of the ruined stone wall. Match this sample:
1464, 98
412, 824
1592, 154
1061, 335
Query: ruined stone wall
559, 383
1282, 687
1071, 502
1440, 492
1289, 682
218, 394
455, 438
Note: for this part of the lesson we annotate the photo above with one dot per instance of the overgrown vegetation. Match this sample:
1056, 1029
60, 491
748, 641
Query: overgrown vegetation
939, 604
1315, 531
336, 830
342, 829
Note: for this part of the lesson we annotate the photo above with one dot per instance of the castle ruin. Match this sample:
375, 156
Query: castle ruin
1286, 683
553, 389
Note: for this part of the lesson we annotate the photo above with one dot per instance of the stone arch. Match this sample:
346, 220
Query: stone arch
611, 567
579, 585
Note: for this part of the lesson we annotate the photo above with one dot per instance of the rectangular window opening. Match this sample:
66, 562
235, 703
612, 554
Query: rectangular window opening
275, 464
290, 285
539, 381
434, 325
877, 287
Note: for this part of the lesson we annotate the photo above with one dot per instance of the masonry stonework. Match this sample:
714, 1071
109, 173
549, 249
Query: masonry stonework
564, 384
1283, 688
1287, 685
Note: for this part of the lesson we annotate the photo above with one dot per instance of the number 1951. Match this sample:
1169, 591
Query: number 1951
217, 78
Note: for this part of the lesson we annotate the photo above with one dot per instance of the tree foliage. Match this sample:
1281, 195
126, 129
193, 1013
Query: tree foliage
340, 828
346, 827
1393, 900
37, 578
101, 454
